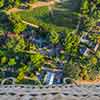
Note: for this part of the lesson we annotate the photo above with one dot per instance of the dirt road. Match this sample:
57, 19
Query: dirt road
34, 5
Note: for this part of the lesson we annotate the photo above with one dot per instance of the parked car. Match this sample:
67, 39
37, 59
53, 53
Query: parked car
84, 39
24, 7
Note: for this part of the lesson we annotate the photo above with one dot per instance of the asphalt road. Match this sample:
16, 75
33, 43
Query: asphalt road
59, 92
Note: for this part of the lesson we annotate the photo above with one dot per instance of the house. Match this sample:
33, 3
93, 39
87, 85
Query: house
96, 47
86, 53
49, 78
84, 50
84, 39
53, 76
10, 34
92, 47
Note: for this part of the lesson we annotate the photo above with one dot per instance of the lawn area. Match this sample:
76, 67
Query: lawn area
41, 17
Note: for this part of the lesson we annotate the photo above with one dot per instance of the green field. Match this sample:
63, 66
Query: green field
41, 17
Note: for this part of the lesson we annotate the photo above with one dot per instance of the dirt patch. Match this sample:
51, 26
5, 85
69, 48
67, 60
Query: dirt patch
97, 81
13, 10
34, 5
41, 4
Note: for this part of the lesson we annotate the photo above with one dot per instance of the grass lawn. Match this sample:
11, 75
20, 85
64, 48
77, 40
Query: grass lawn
41, 17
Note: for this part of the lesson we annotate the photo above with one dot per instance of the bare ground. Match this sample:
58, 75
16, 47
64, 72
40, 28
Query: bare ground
34, 5
91, 82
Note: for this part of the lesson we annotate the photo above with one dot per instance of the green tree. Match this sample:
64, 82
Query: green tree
72, 71
37, 60
5, 24
71, 44
16, 21
54, 37
11, 62
1, 3
20, 45
9, 3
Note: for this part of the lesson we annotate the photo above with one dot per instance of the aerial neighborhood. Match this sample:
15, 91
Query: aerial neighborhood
45, 41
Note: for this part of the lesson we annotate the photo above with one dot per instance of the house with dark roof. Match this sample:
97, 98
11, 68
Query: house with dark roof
52, 76
91, 46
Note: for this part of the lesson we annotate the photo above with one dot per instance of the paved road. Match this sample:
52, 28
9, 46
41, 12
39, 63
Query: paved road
59, 92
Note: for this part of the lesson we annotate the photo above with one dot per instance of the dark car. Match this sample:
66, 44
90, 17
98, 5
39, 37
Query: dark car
24, 7
82, 50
